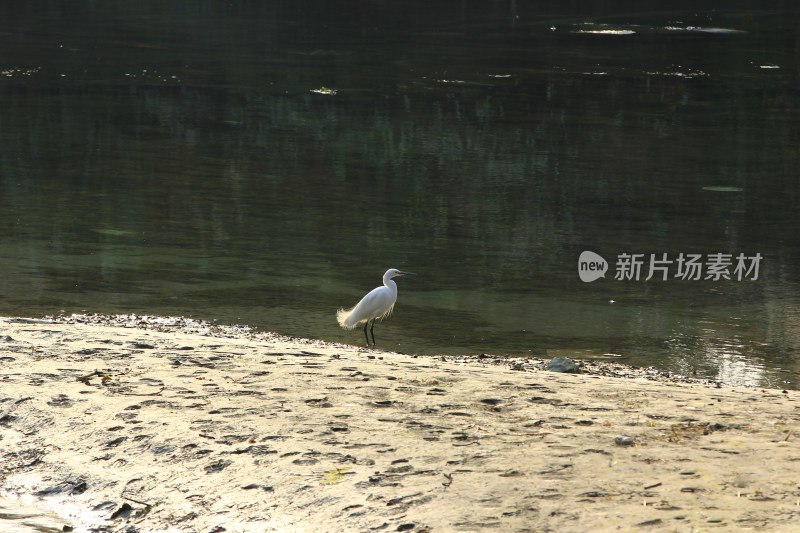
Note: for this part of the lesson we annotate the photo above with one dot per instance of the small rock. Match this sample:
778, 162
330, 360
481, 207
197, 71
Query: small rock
562, 364
124, 509
623, 440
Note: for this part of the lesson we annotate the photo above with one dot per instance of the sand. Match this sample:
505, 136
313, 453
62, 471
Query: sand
136, 424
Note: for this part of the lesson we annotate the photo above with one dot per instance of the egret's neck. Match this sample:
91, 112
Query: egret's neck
390, 284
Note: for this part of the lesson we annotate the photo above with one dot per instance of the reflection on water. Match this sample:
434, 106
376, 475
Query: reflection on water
266, 164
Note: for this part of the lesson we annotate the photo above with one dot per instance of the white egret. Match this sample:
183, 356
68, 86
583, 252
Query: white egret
378, 303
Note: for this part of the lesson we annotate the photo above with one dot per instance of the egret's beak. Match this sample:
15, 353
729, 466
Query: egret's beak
406, 274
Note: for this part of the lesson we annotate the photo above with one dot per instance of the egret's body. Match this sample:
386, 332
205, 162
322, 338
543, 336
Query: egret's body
378, 303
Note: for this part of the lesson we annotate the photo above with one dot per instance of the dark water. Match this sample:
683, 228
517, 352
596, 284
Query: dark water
265, 163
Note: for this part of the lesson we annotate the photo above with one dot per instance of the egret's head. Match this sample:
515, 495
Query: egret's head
393, 273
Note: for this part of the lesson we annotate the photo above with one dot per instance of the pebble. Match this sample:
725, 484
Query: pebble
623, 440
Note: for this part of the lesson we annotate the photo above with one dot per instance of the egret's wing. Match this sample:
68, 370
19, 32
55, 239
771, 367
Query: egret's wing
378, 303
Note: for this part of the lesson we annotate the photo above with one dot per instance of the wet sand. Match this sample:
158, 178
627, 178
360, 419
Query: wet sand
143, 424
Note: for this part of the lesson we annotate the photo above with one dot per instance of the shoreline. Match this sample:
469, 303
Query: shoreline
597, 367
140, 424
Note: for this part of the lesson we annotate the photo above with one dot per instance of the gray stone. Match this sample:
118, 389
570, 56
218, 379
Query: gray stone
562, 364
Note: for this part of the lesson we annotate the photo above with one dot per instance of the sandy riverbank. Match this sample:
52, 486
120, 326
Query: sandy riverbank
178, 426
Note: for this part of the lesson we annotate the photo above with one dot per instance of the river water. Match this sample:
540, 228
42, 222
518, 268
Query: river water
265, 163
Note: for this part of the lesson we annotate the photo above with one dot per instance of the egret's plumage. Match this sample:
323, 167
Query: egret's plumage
378, 303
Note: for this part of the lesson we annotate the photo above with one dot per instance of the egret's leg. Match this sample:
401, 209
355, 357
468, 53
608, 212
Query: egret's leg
365, 332
371, 331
